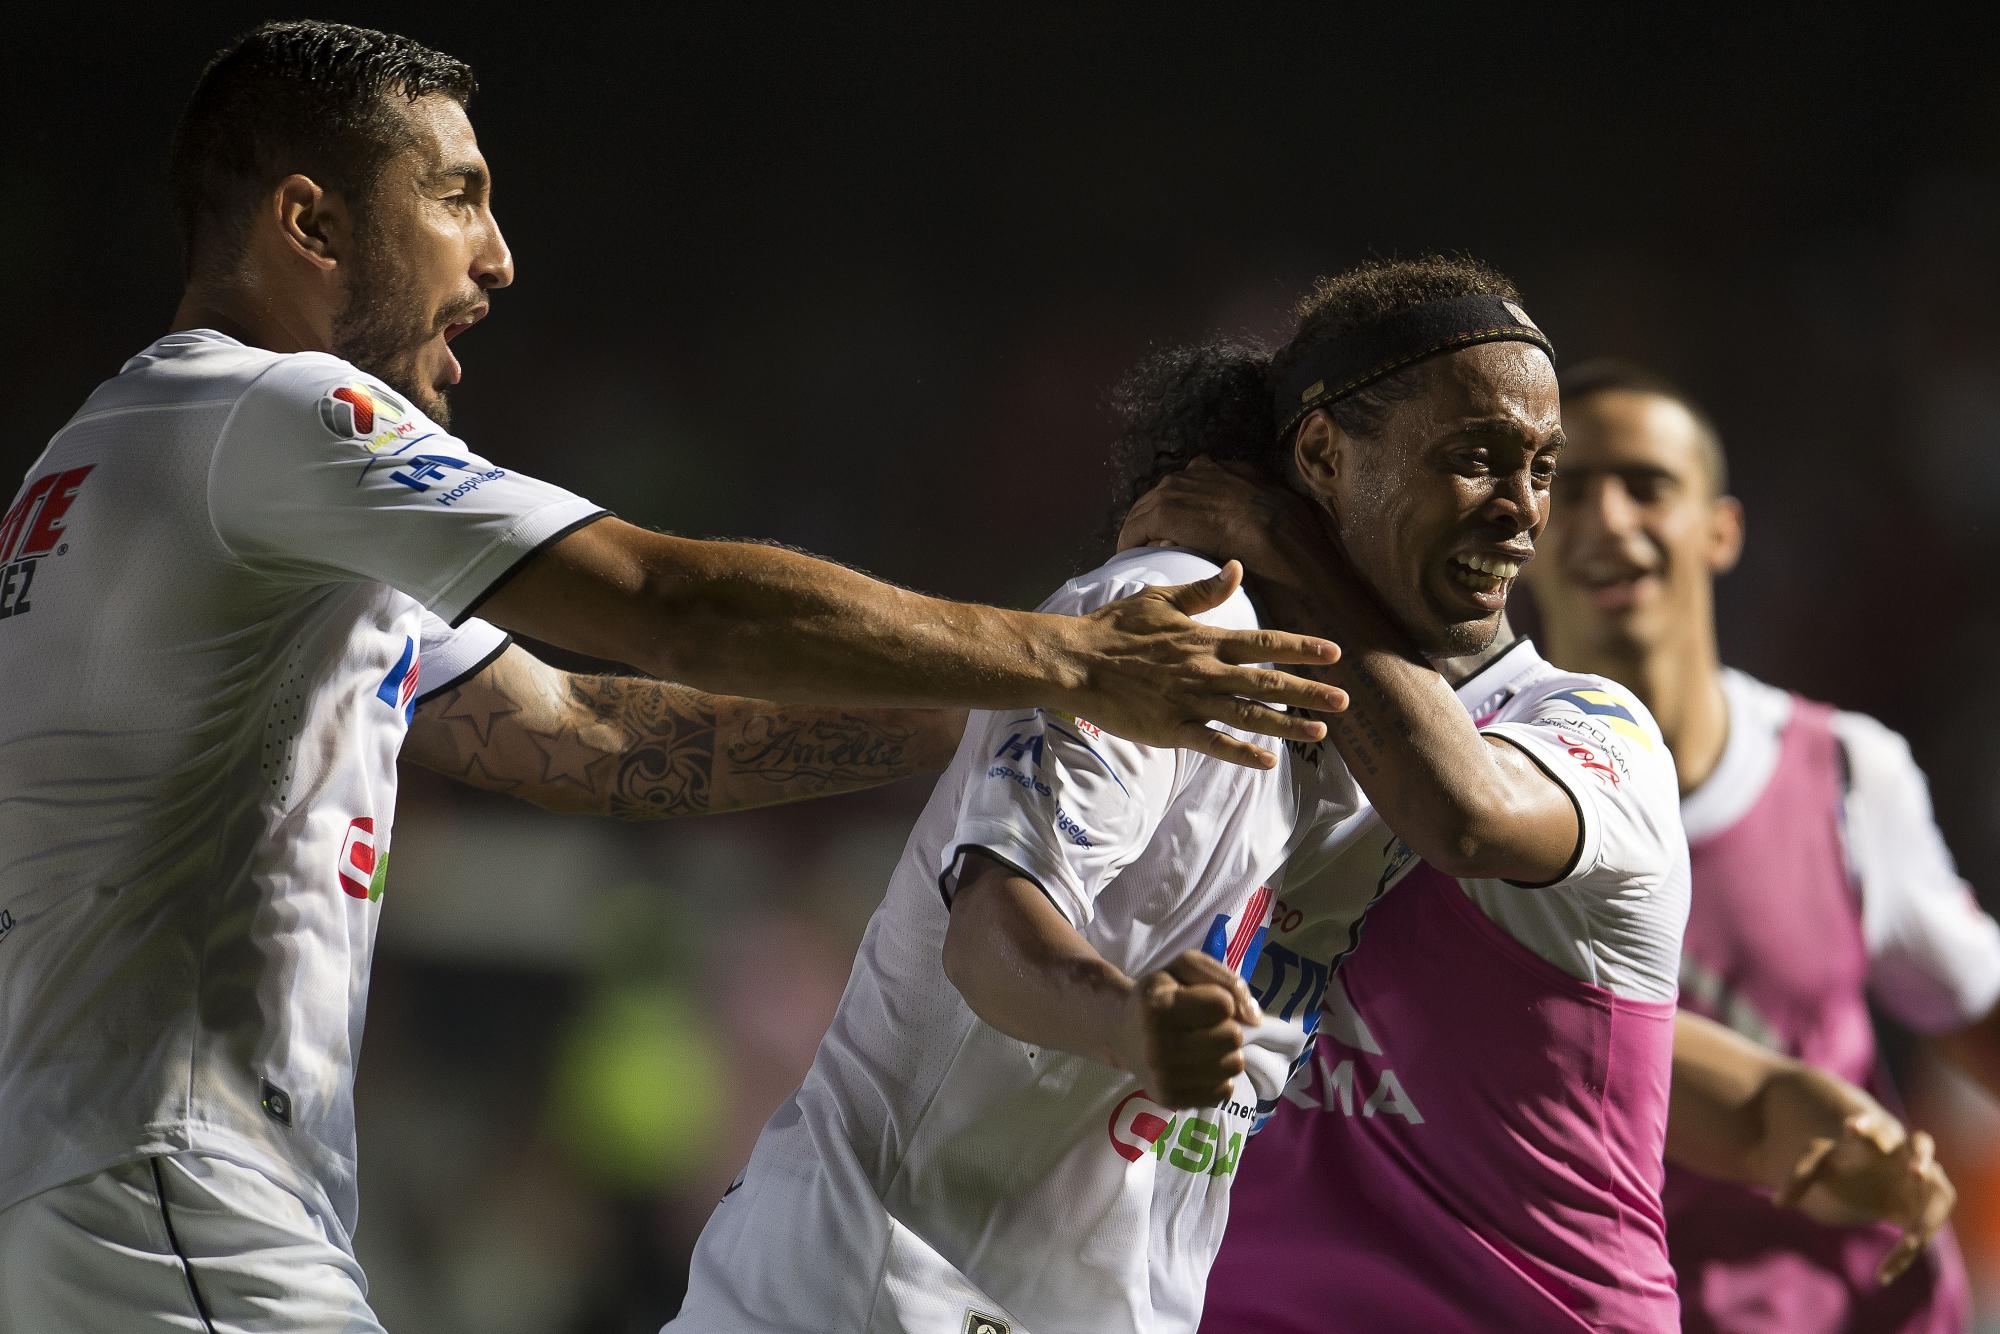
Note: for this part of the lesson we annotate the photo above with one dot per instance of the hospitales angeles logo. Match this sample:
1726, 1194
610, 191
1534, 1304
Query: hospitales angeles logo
362, 869
33, 531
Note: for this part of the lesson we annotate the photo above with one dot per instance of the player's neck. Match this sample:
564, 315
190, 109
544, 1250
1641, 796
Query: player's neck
1681, 682
1459, 670
250, 315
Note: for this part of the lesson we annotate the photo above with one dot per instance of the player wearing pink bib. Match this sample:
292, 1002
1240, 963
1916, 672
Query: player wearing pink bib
1820, 878
1029, 1112
1478, 1144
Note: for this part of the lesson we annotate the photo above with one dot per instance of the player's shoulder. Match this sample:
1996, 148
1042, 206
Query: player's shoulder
1873, 749
316, 399
1134, 571
310, 395
1875, 752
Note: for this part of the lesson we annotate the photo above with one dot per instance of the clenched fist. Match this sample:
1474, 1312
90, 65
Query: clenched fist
1182, 1028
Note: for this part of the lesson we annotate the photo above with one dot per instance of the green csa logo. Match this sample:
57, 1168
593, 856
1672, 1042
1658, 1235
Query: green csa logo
1191, 1142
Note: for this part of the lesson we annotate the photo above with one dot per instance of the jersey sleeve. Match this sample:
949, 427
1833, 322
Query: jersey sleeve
1933, 953
453, 654
1064, 804
1604, 750
324, 474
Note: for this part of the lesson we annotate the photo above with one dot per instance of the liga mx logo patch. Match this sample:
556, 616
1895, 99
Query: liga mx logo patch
365, 412
1608, 709
978, 1322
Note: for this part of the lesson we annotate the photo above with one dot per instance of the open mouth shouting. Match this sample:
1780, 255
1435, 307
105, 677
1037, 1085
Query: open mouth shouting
451, 371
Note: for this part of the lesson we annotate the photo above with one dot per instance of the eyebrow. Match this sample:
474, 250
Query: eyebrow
1506, 428
474, 174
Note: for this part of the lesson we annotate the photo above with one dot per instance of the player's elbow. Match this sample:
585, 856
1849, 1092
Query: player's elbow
1467, 839
961, 956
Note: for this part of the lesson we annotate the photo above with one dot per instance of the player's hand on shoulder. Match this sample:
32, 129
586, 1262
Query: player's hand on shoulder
1153, 674
1874, 1172
1182, 1031
1215, 507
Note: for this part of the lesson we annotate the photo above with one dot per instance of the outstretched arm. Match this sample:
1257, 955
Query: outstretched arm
650, 750
1744, 1113
760, 620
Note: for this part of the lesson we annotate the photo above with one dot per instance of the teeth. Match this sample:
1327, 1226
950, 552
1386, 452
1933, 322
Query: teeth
1503, 569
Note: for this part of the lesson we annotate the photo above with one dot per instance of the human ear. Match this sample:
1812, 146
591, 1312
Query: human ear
1316, 453
1725, 535
311, 222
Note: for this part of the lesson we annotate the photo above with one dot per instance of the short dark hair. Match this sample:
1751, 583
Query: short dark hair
295, 96
1610, 375
1213, 399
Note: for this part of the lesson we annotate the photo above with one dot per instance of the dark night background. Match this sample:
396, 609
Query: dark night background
857, 281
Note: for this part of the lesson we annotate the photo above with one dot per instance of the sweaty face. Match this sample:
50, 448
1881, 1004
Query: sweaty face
426, 250
1637, 535
1440, 511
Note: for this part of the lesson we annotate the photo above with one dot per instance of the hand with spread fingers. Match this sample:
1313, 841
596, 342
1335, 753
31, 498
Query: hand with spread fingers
1154, 675
1874, 1172
1182, 1031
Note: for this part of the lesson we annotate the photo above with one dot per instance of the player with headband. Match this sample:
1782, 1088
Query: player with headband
1031, 1104
1489, 1105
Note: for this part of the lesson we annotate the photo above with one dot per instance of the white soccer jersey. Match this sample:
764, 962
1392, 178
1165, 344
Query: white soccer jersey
1933, 953
1616, 916
933, 1175
223, 588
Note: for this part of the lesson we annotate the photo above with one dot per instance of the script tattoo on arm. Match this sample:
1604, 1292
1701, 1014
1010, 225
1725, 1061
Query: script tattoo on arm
640, 749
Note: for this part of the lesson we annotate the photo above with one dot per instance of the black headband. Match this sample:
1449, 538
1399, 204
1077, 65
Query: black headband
1353, 360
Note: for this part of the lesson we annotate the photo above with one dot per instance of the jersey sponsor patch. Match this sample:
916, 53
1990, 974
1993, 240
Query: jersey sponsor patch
399, 688
31, 530
978, 1322
1604, 705
368, 413
362, 869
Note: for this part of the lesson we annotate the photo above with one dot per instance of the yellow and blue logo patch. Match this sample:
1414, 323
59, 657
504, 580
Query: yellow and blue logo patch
1610, 710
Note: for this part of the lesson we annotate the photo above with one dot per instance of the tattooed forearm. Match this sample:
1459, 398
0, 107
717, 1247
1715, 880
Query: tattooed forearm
841, 747
666, 764
647, 750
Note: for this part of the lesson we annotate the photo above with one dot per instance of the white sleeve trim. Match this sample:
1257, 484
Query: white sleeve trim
1533, 742
484, 573
1004, 843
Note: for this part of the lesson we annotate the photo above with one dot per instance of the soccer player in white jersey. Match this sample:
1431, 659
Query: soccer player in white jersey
1028, 1111
230, 584
1821, 881
1483, 1148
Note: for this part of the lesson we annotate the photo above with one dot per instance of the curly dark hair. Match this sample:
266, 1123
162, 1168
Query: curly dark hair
295, 96
1213, 399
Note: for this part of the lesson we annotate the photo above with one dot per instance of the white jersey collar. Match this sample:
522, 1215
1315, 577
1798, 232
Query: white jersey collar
1757, 717
1486, 690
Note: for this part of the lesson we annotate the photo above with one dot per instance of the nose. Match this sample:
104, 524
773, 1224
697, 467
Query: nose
1516, 502
1604, 508
492, 261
